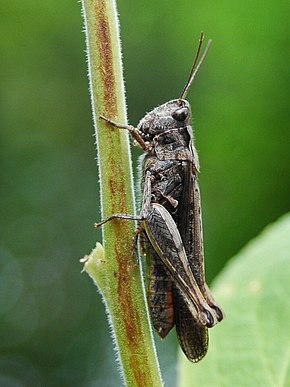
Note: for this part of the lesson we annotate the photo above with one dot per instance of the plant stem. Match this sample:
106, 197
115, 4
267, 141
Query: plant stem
115, 271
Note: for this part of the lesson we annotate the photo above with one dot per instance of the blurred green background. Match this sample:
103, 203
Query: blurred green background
53, 326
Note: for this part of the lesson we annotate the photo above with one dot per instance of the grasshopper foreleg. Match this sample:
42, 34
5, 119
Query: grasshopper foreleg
135, 133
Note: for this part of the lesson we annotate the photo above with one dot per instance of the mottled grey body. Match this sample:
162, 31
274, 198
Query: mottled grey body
176, 289
170, 223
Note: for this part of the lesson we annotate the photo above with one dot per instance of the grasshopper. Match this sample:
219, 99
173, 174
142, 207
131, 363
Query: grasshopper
170, 223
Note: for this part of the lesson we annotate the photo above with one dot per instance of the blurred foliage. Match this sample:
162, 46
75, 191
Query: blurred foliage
53, 326
251, 347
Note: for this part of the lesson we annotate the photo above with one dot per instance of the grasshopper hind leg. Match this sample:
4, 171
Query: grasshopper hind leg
213, 304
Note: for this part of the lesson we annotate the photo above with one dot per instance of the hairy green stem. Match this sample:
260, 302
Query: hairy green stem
114, 270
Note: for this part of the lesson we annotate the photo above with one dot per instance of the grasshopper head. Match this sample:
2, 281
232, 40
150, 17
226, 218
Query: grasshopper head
171, 115
176, 113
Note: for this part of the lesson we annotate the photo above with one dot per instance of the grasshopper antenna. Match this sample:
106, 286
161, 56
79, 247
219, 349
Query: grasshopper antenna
195, 68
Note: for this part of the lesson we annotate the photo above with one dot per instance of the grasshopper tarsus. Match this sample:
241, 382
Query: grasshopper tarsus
117, 216
130, 128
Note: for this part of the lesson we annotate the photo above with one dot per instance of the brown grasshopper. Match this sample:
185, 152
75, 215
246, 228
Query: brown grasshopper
170, 223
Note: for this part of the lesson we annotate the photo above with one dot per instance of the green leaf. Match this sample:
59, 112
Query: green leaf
251, 347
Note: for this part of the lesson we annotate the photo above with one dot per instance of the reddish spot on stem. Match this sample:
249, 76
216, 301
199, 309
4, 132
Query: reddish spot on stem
106, 67
103, 39
131, 315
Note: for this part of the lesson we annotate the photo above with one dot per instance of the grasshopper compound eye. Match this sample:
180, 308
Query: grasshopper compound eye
180, 114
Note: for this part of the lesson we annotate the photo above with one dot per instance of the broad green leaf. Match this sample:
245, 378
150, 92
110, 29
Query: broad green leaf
251, 347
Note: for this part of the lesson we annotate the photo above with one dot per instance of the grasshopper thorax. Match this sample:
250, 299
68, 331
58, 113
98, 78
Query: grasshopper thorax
171, 115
